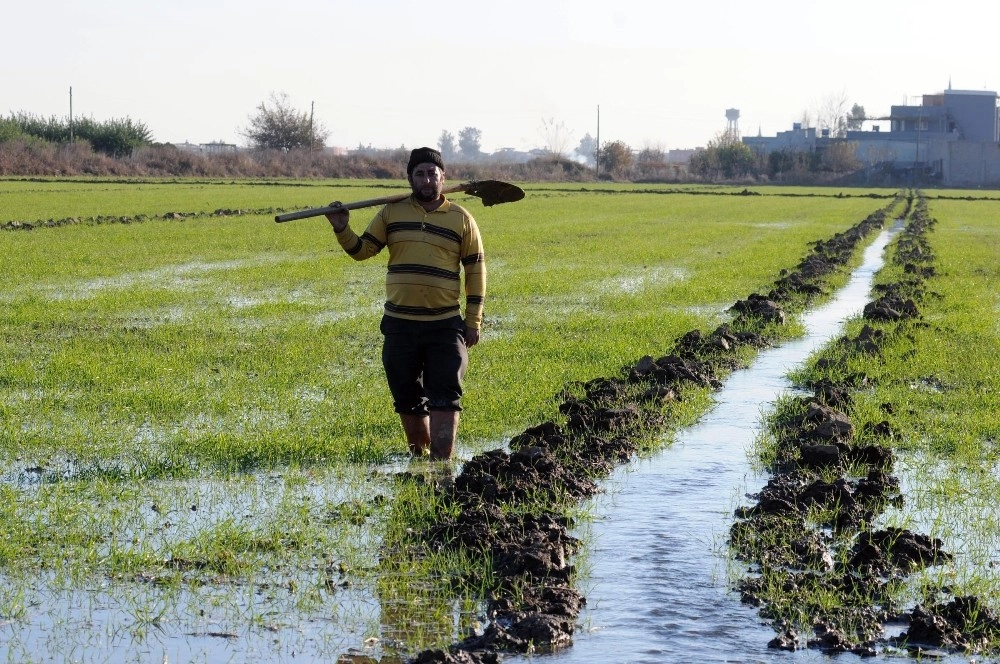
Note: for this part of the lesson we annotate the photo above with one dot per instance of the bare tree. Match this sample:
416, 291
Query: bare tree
832, 114
651, 161
555, 136
806, 119
278, 126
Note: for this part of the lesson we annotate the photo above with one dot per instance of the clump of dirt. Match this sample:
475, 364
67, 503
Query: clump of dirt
456, 657
813, 434
787, 640
845, 502
759, 306
885, 552
836, 395
672, 369
891, 308
868, 342
963, 624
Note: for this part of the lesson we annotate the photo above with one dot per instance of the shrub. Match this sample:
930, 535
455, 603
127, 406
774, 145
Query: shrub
8, 130
117, 137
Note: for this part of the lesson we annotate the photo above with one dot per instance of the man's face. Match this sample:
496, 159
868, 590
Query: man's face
427, 181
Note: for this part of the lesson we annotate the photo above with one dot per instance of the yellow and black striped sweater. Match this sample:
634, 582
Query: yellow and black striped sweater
427, 252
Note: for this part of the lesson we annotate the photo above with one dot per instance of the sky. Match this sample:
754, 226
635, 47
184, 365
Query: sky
391, 73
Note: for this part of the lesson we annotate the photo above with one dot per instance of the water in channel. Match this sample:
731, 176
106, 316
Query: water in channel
655, 572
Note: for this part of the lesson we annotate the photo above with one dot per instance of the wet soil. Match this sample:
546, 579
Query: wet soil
509, 503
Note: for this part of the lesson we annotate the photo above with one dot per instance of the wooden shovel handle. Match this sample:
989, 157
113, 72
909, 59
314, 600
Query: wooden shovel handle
371, 202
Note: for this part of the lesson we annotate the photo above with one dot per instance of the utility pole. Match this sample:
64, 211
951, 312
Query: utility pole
71, 114
597, 152
312, 136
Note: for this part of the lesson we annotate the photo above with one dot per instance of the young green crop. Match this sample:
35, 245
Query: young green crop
944, 373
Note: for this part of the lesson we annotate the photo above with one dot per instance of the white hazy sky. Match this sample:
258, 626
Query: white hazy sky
392, 72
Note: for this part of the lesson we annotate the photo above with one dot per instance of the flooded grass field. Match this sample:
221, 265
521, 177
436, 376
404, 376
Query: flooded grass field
199, 462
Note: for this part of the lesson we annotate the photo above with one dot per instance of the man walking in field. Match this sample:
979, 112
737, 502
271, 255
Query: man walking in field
430, 241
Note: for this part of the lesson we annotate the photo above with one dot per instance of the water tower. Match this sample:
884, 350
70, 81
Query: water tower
733, 116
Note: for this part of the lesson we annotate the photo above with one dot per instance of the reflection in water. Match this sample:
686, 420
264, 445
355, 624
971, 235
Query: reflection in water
656, 588
430, 612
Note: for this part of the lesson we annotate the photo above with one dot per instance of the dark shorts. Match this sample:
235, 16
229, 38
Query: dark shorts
425, 363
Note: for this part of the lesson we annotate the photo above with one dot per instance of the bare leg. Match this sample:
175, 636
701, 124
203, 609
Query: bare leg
418, 432
444, 430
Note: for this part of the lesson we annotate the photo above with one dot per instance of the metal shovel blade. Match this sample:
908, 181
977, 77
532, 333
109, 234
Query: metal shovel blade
494, 192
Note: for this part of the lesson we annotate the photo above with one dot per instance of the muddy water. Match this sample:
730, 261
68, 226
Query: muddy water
655, 575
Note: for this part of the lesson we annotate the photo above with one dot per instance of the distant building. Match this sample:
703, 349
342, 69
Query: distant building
798, 139
511, 156
680, 156
188, 147
965, 115
378, 153
218, 147
215, 147
951, 138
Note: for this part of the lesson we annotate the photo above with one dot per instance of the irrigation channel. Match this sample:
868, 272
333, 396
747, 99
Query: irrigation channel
656, 572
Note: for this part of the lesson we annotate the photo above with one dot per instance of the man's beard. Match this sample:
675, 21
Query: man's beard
423, 197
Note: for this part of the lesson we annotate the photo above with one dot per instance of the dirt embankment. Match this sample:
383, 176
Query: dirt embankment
830, 483
103, 220
509, 503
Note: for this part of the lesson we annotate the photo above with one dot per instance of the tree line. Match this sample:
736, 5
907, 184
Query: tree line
115, 138
276, 127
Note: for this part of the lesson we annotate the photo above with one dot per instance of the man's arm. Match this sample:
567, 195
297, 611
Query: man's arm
474, 264
358, 248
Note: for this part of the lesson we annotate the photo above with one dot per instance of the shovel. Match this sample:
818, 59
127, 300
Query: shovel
491, 192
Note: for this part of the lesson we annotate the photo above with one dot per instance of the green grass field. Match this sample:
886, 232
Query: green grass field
946, 373
200, 401
171, 348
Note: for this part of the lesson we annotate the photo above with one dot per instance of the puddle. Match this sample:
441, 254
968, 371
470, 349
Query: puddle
655, 575
179, 276
301, 612
645, 279
147, 623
